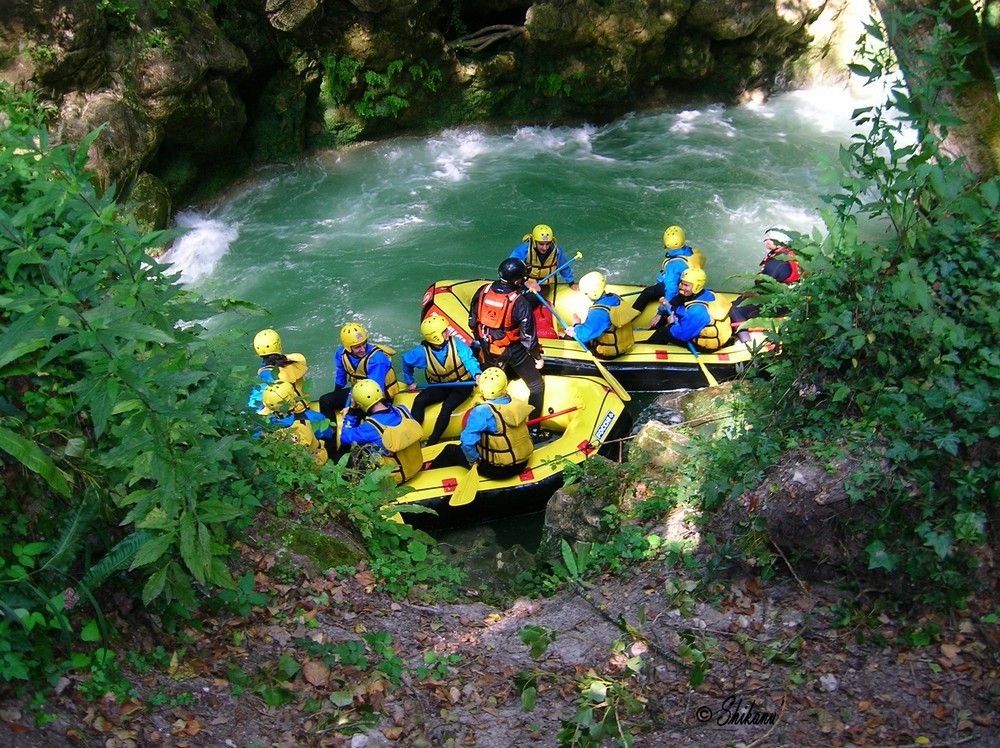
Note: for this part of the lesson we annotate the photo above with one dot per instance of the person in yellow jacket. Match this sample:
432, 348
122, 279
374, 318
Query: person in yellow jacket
358, 359
496, 433
387, 430
607, 329
276, 366
304, 426
694, 316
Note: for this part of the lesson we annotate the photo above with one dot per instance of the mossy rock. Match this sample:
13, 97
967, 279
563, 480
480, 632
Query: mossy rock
313, 550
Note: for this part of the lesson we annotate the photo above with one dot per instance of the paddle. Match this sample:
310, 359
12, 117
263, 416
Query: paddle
566, 264
712, 381
615, 385
466, 383
468, 486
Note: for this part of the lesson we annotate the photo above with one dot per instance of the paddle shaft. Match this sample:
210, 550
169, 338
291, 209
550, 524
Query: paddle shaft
467, 383
565, 265
615, 385
712, 381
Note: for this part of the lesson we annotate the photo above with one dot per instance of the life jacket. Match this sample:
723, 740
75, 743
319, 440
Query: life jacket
301, 432
402, 445
538, 266
452, 370
511, 445
356, 373
620, 337
695, 260
720, 329
495, 319
789, 257
294, 373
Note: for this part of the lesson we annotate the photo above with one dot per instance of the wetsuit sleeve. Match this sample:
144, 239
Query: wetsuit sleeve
340, 378
691, 321
468, 358
378, 366
363, 434
415, 358
529, 334
597, 323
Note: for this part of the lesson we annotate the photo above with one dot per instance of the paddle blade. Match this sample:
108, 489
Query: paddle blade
712, 381
615, 384
467, 487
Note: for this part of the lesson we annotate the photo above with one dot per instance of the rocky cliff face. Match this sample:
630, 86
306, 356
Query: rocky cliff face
188, 91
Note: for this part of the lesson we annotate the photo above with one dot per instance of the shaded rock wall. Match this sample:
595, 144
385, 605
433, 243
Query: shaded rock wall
190, 92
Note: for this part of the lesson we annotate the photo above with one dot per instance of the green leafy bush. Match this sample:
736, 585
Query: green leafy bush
890, 353
119, 456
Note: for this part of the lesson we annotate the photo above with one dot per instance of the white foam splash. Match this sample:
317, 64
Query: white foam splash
196, 254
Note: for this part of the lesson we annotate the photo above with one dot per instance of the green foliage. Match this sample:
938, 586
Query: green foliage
383, 94
119, 458
552, 85
889, 354
338, 74
404, 560
604, 704
381, 97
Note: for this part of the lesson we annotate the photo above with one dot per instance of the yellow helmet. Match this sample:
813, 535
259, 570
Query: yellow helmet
281, 397
493, 383
696, 277
366, 393
593, 285
673, 237
353, 334
433, 329
266, 342
542, 233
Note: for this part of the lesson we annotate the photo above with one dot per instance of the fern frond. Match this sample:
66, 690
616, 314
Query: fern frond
116, 559
71, 536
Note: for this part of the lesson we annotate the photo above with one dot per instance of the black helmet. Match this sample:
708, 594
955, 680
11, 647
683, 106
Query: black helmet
512, 270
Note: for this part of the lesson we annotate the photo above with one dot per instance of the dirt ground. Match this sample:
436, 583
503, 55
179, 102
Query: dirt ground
331, 661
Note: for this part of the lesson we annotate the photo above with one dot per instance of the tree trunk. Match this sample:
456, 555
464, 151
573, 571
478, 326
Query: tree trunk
974, 101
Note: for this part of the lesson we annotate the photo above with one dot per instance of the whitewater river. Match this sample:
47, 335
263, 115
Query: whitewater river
359, 234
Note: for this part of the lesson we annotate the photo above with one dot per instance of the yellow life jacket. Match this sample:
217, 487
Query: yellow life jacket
302, 433
621, 336
355, 374
696, 260
294, 373
402, 442
718, 332
511, 445
452, 370
538, 266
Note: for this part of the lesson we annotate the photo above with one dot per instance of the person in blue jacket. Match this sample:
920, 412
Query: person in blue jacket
357, 359
678, 256
542, 254
380, 428
694, 316
450, 367
607, 330
495, 436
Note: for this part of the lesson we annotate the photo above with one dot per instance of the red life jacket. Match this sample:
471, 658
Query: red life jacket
495, 313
